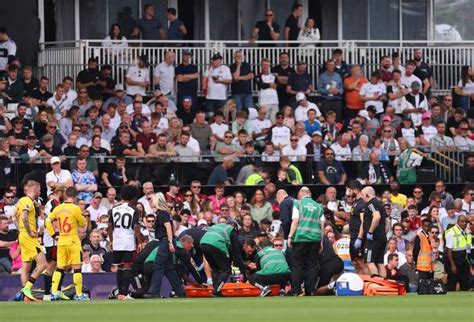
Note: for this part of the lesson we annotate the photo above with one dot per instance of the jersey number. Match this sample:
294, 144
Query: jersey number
64, 225
123, 220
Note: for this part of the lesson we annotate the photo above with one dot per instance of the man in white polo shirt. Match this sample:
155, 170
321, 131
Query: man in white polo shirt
216, 79
163, 76
301, 112
57, 176
138, 77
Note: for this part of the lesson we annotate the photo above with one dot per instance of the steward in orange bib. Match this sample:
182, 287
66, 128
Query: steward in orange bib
423, 252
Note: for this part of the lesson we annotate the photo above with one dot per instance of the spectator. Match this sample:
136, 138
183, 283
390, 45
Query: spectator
342, 148
184, 152
452, 217
176, 28
299, 81
279, 133
465, 88
268, 96
14, 90
352, 87
270, 154
241, 85
96, 210
385, 73
331, 89
395, 196
408, 77
116, 174
8, 46
397, 92
376, 172
150, 26
30, 83
202, 132
294, 151
283, 71
260, 208
389, 143
468, 200
84, 181
57, 176
309, 36
467, 171
115, 42
301, 112
374, 92
423, 71
110, 199
187, 76
392, 248
464, 140
441, 141
266, 30
7, 239
315, 148
89, 78
41, 93
137, 78
361, 151
226, 148
292, 25
331, 171
164, 76
127, 147
162, 150
216, 79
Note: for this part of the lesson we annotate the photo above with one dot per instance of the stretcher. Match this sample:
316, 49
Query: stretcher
230, 290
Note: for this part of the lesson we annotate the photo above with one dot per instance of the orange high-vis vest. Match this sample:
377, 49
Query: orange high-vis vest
425, 257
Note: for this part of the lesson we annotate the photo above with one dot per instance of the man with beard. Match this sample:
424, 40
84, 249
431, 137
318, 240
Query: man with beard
90, 78
283, 72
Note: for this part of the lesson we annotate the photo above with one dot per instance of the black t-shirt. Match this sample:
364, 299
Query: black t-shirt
28, 88
55, 151
119, 148
299, 83
43, 97
187, 118
162, 217
373, 206
87, 76
264, 32
26, 123
71, 151
424, 72
12, 235
187, 88
100, 152
452, 123
115, 176
292, 23
19, 135
285, 72
241, 86
354, 220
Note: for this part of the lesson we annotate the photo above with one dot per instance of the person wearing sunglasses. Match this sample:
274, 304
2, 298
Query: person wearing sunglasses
266, 30
329, 170
464, 141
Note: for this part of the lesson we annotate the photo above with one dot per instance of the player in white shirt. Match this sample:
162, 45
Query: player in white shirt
163, 75
137, 78
124, 229
7, 48
374, 92
301, 112
294, 151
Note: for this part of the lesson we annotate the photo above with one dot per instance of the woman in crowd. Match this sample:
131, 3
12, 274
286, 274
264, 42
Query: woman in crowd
66, 123
191, 203
288, 117
230, 111
361, 152
465, 88
41, 123
260, 208
174, 130
83, 101
115, 42
389, 143
308, 36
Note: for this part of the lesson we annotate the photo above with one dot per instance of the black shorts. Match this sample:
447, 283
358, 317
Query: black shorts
374, 251
123, 257
52, 254
356, 253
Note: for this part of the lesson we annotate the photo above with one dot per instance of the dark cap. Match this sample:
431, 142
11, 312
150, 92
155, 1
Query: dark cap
216, 56
407, 118
187, 52
174, 183
372, 109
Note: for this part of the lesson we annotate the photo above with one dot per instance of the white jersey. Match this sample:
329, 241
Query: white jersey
123, 217
48, 241
7, 48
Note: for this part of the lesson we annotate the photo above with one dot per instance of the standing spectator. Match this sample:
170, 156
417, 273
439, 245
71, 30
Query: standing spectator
417, 105
176, 28
374, 92
283, 71
84, 181
465, 88
352, 87
241, 87
423, 71
138, 77
408, 77
187, 76
397, 92
150, 27
331, 89
305, 240
89, 78
115, 43
309, 36
267, 82
331, 171
300, 81
266, 30
14, 90
385, 64
216, 79
292, 24
7, 48
163, 76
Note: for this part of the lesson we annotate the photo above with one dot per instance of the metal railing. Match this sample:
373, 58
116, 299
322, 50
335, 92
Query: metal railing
57, 60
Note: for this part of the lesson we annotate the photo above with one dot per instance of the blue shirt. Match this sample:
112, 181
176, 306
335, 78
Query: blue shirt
299, 83
286, 210
150, 28
333, 172
325, 81
174, 32
311, 128
219, 174
187, 88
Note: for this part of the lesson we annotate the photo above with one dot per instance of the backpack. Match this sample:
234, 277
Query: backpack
431, 286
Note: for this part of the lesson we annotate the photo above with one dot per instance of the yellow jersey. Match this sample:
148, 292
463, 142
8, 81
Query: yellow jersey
69, 217
400, 199
26, 204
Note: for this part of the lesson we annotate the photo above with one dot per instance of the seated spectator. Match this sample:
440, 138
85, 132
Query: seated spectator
110, 199
441, 142
436, 114
408, 132
467, 171
397, 235
342, 148
439, 267
14, 89
294, 151
391, 268
361, 151
270, 154
226, 148
186, 113
184, 152
292, 172
241, 123
47, 149
464, 140
330, 129
219, 173
57, 176
301, 112
138, 76
312, 124
279, 133
84, 181
392, 249
30, 83
261, 127
260, 208
146, 137
454, 122
174, 130
331, 171
219, 127
315, 148
202, 132
7, 239
300, 132
241, 139
389, 143
395, 196
24, 113
408, 269
376, 172
116, 174
217, 198
17, 136
162, 150
288, 117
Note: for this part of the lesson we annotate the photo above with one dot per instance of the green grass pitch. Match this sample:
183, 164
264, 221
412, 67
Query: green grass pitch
456, 307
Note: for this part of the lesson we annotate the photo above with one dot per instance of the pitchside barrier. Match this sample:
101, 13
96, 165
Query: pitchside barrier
58, 59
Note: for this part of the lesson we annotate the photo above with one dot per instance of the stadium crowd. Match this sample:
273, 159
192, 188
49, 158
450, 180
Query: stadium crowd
99, 136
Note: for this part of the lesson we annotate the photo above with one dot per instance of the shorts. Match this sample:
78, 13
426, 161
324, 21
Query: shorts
69, 255
52, 254
374, 251
123, 257
29, 247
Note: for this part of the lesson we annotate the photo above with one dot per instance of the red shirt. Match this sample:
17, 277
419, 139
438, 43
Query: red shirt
147, 140
415, 224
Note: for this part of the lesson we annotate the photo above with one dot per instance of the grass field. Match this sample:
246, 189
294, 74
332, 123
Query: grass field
454, 307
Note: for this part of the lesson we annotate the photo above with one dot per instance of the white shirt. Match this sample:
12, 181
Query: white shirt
441, 212
162, 125
281, 135
57, 178
138, 75
259, 125
96, 213
429, 132
145, 109
301, 112
467, 207
165, 73
401, 258
342, 153
58, 106
217, 91
398, 104
9, 211
144, 201
116, 46
219, 129
303, 140
464, 143
70, 96
268, 95
468, 88
408, 80
8, 48
275, 157
298, 154
417, 117
194, 144
370, 90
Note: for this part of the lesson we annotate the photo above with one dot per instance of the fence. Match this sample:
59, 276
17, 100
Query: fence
57, 60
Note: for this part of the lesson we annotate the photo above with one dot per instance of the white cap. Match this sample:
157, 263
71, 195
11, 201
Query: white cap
202, 222
364, 114
118, 87
55, 160
300, 96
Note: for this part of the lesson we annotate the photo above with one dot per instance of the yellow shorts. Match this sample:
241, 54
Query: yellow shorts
29, 247
69, 255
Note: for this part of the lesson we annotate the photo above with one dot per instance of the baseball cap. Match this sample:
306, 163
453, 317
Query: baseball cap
415, 84
216, 56
118, 87
426, 115
97, 195
55, 160
317, 133
364, 114
387, 118
300, 96
202, 222
187, 98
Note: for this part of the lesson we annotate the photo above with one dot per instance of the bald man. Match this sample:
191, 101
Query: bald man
374, 232
286, 207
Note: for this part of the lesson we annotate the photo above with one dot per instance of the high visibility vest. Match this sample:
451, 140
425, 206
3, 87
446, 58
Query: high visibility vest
309, 225
299, 177
219, 237
272, 261
254, 179
424, 262
461, 240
